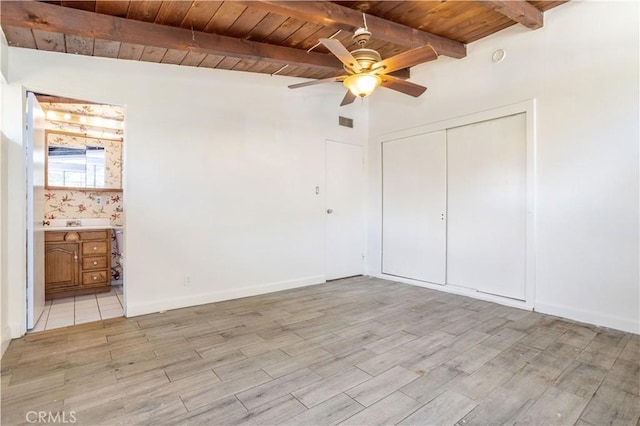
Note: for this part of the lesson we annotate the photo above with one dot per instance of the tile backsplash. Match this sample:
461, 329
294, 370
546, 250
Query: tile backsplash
80, 204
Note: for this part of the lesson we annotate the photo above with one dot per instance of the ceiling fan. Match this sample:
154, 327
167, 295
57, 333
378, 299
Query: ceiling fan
367, 70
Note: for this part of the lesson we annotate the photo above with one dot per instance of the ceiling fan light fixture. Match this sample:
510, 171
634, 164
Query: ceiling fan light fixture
362, 84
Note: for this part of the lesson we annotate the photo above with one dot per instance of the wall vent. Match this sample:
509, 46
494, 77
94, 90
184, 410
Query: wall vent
346, 122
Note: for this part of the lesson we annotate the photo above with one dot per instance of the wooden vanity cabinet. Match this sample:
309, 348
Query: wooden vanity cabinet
77, 262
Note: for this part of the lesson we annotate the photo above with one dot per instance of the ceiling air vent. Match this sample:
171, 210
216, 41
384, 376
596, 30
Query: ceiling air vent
346, 122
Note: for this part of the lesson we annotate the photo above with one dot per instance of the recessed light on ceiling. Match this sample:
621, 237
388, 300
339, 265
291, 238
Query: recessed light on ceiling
67, 116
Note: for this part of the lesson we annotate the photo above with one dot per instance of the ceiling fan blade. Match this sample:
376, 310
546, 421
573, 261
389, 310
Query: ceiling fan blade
313, 82
402, 86
341, 53
348, 98
405, 60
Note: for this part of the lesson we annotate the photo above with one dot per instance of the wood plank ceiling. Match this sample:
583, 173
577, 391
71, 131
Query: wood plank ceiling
257, 36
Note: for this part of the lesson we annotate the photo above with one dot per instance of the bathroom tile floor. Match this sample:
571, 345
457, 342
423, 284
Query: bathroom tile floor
81, 309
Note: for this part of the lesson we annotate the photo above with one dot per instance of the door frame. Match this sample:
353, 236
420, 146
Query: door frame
527, 107
20, 329
364, 198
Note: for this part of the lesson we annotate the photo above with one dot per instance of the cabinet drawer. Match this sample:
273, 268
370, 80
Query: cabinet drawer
54, 237
94, 278
94, 247
94, 235
98, 262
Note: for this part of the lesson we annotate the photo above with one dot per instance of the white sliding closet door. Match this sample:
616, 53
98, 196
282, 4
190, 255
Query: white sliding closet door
414, 205
487, 204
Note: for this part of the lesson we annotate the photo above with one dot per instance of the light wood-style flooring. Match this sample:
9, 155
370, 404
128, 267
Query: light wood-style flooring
359, 351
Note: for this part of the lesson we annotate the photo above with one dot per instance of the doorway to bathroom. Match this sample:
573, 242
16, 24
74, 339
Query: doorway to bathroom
75, 224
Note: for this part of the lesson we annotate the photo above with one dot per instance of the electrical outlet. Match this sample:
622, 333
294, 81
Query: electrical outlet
99, 201
187, 280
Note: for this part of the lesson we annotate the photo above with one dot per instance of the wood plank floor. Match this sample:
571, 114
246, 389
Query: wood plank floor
358, 351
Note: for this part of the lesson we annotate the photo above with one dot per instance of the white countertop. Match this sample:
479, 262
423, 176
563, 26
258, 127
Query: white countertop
77, 228
86, 224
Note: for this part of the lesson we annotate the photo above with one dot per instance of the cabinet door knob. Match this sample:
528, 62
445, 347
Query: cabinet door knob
329, 211
46, 223
95, 248
95, 262
95, 277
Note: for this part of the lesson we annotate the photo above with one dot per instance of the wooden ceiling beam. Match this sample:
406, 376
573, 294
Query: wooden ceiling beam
49, 17
343, 18
517, 10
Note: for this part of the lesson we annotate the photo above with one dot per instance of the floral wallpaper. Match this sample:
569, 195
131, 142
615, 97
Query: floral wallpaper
116, 267
99, 121
113, 112
83, 129
78, 204
113, 153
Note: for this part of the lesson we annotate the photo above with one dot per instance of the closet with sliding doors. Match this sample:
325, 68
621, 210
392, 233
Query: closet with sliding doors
456, 204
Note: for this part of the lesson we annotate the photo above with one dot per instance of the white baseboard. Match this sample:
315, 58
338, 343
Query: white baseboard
6, 339
461, 291
590, 317
17, 329
135, 309
11, 331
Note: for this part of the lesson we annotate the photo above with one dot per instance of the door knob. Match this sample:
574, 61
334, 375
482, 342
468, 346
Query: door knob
329, 211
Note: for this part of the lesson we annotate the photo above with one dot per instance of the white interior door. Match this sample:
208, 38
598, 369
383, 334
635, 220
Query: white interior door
345, 216
487, 203
414, 232
35, 146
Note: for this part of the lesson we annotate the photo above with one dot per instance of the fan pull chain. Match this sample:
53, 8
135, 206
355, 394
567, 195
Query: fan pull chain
364, 19
280, 70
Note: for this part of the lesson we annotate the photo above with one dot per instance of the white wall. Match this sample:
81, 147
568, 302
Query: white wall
220, 174
582, 69
5, 334
4, 59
